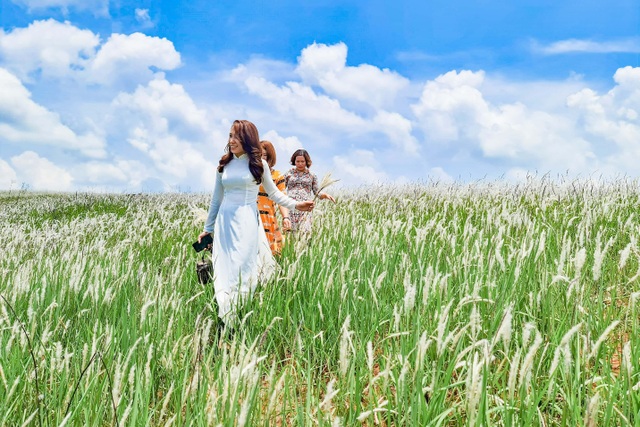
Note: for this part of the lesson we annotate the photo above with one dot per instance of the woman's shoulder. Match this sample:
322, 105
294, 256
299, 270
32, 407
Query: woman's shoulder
278, 178
265, 166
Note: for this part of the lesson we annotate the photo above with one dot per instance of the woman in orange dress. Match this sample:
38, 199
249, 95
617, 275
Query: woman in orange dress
267, 207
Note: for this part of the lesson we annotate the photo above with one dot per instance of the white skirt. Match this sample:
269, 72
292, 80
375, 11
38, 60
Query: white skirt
241, 257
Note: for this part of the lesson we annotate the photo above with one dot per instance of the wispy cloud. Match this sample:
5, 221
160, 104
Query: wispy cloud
144, 19
630, 45
415, 56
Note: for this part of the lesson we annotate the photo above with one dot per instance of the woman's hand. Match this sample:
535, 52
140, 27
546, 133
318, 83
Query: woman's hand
305, 206
286, 224
327, 196
204, 233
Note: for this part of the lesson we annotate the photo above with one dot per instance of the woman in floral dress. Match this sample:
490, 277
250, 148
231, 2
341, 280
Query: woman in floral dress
302, 185
267, 207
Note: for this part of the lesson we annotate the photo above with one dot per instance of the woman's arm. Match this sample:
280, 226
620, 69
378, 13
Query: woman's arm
314, 189
287, 175
280, 182
286, 221
326, 196
214, 207
278, 196
283, 211
314, 183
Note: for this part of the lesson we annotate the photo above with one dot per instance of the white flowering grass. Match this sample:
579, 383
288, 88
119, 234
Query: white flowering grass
428, 304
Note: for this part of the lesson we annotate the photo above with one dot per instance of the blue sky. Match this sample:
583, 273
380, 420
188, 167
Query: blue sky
127, 96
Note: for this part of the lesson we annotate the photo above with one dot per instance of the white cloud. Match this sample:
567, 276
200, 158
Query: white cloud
518, 175
53, 47
24, 122
360, 167
167, 107
135, 171
170, 155
589, 132
612, 120
116, 175
325, 66
130, 57
628, 89
450, 105
162, 122
266, 68
453, 109
61, 50
143, 18
301, 101
98, 7
8, 177
466, 123
284, 146
439, 174
532, 137
630, 45
398, 129
119, 175
40, 173
101, 173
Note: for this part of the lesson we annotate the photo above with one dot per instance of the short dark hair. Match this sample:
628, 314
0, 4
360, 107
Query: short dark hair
267, 147
301, 152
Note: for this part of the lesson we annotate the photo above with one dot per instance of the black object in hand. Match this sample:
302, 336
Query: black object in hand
204, 243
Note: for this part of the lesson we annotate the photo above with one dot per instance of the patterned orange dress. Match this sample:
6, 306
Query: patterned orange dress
267, 209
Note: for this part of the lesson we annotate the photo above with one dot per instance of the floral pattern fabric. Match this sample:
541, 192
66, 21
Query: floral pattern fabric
301, 186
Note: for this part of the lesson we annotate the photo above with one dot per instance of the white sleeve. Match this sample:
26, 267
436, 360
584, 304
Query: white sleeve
214, 207
274, 194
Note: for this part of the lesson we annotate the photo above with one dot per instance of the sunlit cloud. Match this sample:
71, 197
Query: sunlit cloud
63, 51
115, 115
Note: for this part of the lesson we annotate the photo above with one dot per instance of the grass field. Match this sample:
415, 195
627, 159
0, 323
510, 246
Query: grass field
429, 304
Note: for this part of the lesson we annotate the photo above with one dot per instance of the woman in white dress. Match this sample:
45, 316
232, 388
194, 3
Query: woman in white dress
241, 252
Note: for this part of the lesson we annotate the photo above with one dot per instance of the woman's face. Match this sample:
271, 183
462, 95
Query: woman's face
301, 163
235, 145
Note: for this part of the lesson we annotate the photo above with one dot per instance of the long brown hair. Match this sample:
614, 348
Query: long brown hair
267, 146
250, 140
